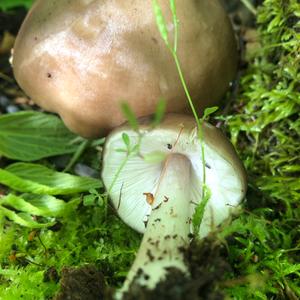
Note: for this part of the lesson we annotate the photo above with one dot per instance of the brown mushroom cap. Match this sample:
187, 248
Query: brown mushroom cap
81, 58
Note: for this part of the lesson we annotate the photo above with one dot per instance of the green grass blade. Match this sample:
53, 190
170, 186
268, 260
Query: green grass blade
159, 112
130, 116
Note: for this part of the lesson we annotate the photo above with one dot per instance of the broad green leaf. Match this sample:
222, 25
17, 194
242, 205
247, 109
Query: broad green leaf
38, 179
38, 205
130, 116
7, 4
22, 185
30, 136
155, 157
21, 209
51, 206
23, 219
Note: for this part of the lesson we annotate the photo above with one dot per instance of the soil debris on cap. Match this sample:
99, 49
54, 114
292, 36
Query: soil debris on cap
85, 283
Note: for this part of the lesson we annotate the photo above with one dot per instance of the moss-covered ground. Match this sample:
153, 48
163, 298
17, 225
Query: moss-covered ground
262, 243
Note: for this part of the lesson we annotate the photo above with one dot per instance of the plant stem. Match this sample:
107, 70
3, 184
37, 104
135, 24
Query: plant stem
121, 166
81, 148
175, 23
197, 119
186, 88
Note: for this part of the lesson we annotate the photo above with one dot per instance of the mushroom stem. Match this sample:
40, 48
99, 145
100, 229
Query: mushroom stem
168, 226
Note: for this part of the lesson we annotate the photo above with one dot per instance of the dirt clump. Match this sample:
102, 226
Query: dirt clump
207, 266
85, 283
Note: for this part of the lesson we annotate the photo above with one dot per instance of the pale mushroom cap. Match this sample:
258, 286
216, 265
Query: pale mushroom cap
225, 174
81, 58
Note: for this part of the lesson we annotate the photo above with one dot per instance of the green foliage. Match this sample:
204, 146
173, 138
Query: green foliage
94, 198
25, 283
7, 4
209, 111
263, 254
29, 136
38, 179
130, 116
161, 22
159, 112
86, 236
126, 140
23, 210
162, 27
263, 243
78, 153
265, 128
21, 218
200, 209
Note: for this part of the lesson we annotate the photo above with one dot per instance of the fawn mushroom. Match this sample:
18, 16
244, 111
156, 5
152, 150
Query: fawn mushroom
172, 187
80, 58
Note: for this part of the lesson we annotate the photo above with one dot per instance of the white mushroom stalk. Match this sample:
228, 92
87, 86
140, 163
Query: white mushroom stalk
158, 197
168, 227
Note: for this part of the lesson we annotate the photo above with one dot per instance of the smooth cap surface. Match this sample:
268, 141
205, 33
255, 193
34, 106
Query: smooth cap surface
81, 58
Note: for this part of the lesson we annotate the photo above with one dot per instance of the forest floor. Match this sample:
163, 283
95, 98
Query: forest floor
70, 244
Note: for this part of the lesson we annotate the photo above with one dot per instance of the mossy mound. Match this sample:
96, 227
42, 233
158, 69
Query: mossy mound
264, 125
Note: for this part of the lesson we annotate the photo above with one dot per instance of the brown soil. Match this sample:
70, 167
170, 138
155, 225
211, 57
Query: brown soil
205, 260
85, 283
207, 267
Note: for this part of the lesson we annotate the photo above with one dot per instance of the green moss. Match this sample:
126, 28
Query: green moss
86, 236
265, 128
263, 243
